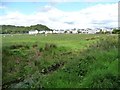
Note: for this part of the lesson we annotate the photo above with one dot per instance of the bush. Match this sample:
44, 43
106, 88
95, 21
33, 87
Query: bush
49, 46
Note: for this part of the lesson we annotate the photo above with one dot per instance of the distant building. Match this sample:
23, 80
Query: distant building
97, 30
74, 31
67, 31
55, 31
41, 32
33, 32
58, 31
107, 29
48, 32
45, 32
84, 31
61, 31
88, 31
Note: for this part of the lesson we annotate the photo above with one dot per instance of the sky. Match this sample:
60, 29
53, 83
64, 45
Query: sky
57, 14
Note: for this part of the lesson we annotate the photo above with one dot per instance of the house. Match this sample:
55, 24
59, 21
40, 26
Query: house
97, 30
74, 31
58, 31
61, 31
91, 31
84, 31
80, 31
67, 31
106, 30
48, 32
33, 32
55, 31
41, 32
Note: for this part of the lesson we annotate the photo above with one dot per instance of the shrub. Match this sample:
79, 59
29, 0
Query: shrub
49, 46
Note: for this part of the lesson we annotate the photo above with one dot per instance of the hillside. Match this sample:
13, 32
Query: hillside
12, 29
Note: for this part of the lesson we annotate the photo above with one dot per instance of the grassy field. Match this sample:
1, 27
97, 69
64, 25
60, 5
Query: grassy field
60, 61
69, 41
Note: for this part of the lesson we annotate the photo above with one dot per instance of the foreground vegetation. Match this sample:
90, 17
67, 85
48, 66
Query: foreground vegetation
60, 61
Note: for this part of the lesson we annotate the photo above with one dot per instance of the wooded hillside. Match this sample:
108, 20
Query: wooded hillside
11, 29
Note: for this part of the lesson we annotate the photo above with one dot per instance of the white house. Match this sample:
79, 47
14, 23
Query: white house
107, 29
41, 32
74, 31
91, 31
58, 31
55, 31
70, 31
80, 30
97, 30
84, 31
67, 31
61, 31
48, 32
33, 32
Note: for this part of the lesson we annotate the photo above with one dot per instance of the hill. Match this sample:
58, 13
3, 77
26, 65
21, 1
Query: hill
12, 29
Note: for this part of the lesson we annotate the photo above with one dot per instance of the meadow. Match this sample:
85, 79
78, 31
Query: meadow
60, 61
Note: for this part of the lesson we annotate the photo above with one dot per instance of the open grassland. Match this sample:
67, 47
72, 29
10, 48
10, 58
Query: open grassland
60, 61
71, 41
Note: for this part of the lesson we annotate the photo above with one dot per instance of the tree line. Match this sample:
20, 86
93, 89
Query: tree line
116, 31
12, 29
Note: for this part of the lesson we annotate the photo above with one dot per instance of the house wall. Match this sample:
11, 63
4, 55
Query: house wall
33, 32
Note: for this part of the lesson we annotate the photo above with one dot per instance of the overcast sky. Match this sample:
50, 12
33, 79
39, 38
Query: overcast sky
57, 14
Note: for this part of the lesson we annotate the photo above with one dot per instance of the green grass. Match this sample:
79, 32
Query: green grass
67, 40
89, 63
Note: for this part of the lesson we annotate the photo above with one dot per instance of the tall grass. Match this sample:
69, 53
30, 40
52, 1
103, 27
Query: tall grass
25, 66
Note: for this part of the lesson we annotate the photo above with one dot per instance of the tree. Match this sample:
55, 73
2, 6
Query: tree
79, 31
107, 32
101, 32
116, 31
11, 29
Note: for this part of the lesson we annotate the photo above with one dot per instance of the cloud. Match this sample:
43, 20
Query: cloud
69, 22
46, 8
101, 0
100, 15
60, 0
2, 6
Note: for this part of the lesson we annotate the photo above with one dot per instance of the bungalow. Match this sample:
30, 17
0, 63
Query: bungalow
55, 31
88, 31
84, 31
41, 32
67, 31
33, 32
91, 31
48, 32
61, 31
97, 30
74, 31
105, 29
